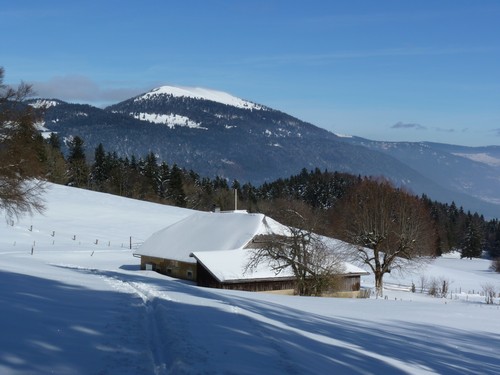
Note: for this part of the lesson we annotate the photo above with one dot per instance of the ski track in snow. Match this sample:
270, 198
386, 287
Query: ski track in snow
156, 314
166, 328
153, 318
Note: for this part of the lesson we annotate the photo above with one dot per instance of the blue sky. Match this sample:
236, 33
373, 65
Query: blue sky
385, 70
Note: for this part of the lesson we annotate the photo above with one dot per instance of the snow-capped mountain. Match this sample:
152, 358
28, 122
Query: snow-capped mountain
199, 93
215, 133
156, 111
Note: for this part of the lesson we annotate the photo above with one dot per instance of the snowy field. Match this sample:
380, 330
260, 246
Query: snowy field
73, 301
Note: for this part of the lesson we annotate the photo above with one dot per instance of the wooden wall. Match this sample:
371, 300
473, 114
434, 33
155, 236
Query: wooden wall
174, 268
205, 278
196, 272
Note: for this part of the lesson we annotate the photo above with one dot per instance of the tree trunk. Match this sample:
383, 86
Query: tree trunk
379, 284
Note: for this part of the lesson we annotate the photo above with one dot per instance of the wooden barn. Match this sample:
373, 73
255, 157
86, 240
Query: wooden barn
212, 249
227, 270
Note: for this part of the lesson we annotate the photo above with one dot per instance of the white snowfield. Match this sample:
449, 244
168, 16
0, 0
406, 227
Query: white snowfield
73, 301
201, 93
171, 120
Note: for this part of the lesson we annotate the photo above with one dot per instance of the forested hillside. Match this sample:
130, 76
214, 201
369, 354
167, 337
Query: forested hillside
144, 177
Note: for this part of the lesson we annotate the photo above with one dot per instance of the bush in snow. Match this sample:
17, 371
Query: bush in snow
495, 264
489, 292
439, 287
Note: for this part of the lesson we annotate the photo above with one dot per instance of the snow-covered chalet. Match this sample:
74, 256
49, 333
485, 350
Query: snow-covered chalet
212, 249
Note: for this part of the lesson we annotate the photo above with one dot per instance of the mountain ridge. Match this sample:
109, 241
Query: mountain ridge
203, 130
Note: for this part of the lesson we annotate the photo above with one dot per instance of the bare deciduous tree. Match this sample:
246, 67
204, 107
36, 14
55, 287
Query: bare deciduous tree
21, 151
391, 229
489, 292
314, 264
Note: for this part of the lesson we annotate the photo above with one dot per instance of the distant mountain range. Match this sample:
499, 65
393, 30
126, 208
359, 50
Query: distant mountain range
214, 133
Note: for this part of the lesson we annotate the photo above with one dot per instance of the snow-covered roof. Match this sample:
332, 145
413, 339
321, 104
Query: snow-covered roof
204, 231
230, 266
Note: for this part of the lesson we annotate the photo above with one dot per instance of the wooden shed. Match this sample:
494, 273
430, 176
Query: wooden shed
227, 270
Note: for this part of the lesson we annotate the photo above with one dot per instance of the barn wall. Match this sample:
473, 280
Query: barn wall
261, 286
196, 272
206, 279
349, 283
169, 267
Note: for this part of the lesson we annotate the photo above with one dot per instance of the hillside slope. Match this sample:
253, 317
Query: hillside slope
75, 305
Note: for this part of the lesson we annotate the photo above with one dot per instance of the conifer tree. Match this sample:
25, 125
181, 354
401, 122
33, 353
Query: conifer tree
78, 167
175, 187
55, 165
472, 243
99, 173
21, 153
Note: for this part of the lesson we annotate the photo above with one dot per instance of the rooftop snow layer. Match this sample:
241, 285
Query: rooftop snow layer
203, 231
231, 266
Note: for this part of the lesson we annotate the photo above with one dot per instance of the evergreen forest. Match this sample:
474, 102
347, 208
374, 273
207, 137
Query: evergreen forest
146, 178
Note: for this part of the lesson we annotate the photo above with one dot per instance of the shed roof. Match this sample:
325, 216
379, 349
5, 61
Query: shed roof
230, 266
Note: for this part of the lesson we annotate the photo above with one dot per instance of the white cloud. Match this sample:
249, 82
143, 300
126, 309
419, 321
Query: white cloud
79, 88
402, 125
444, 130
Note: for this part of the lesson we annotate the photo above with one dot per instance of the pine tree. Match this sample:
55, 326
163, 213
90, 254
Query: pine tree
100, 171
472, 244
78, 167
175, 187
21, 153
55, 165
55, 141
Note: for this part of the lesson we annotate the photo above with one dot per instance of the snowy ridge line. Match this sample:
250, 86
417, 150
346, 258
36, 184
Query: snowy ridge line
44, 103
201, 93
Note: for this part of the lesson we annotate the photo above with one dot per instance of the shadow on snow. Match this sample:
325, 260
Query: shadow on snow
53, 326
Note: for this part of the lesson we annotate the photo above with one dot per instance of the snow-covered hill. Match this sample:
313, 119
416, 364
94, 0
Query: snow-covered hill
199, 93
73, 301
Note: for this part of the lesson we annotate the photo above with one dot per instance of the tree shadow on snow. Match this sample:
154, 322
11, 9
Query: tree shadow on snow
51, 327
304, 343
170, 326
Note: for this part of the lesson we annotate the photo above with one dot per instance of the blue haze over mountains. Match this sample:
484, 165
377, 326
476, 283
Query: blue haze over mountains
257, 144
